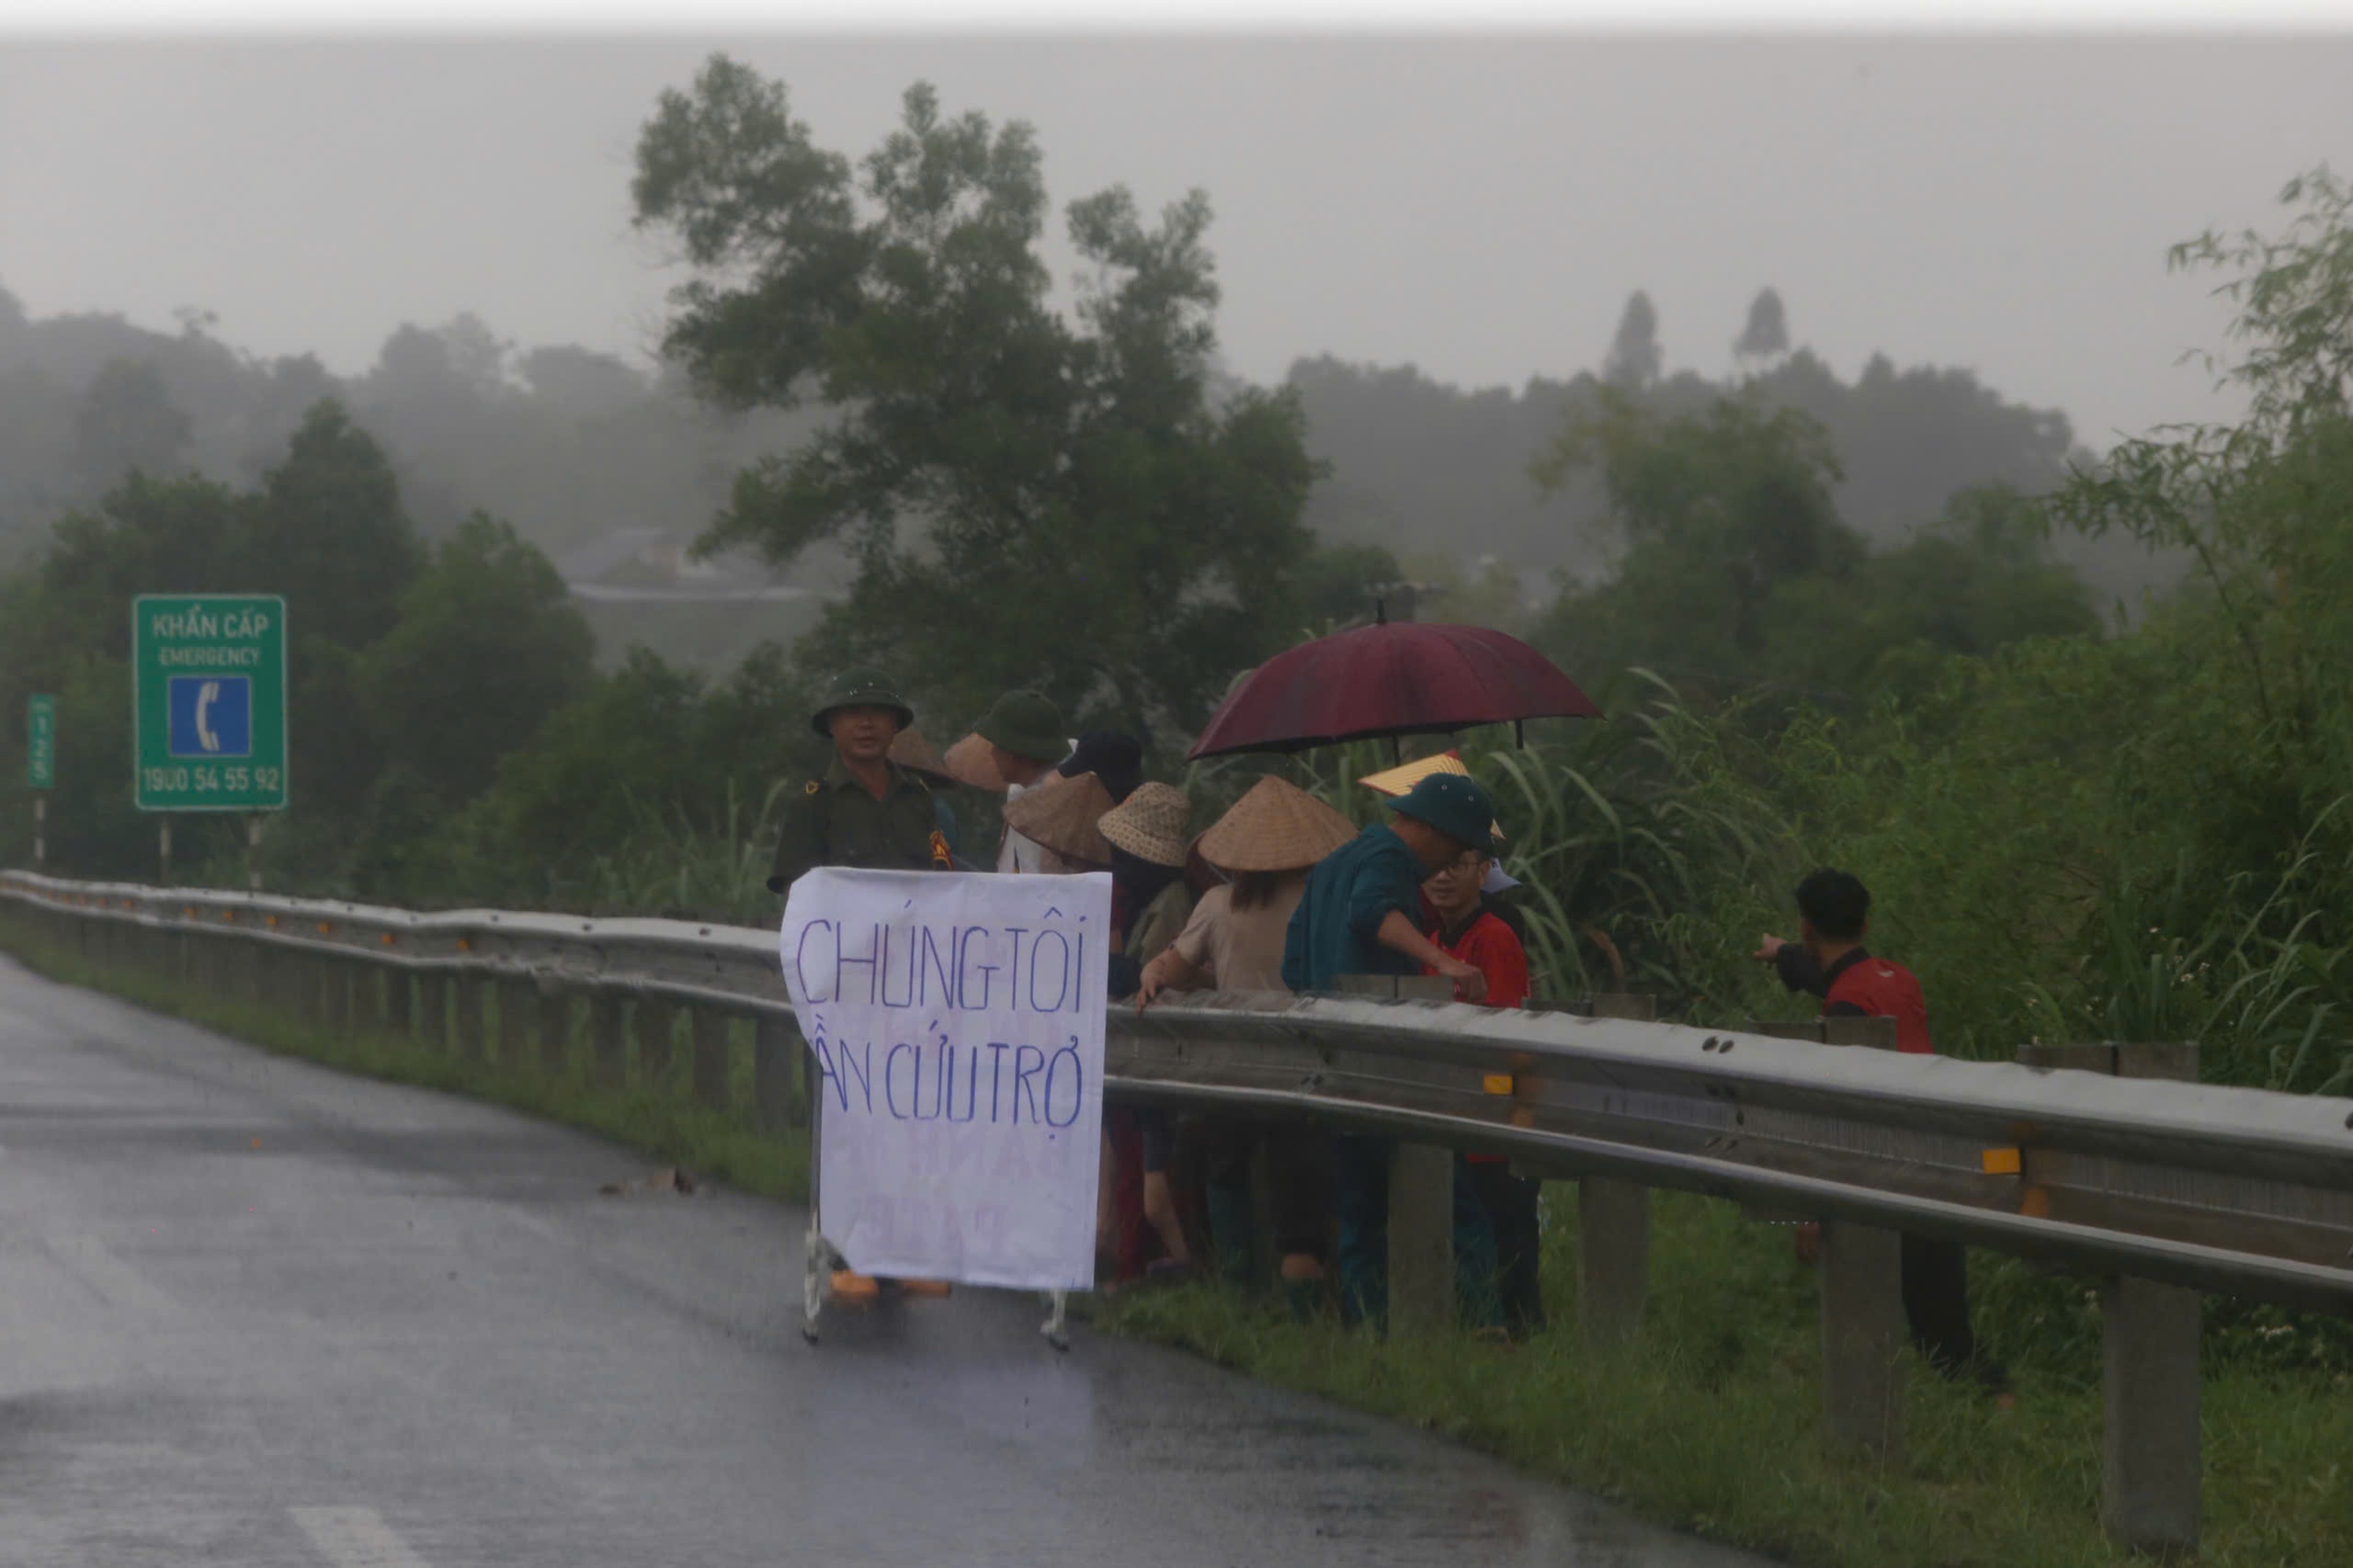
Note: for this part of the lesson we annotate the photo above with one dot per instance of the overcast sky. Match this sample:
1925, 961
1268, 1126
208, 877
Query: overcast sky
1479, 207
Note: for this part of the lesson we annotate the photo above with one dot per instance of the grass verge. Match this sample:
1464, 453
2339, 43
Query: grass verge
1708, 1421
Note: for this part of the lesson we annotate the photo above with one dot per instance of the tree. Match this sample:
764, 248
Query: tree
2260, 505
1338, 584
1719, 512
1767, 335
127, 424
1028, 499
487, 646
328, 531
581, 382
1634, 359
597, 770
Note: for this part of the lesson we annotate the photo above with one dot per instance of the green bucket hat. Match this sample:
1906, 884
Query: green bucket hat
1027, 724
860, 689
1454, 805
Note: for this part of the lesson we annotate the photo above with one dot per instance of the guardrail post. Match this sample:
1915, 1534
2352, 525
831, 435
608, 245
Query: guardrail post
1421, 1195
400, 1003
2149, 1461
1421, 1238
433, 1005
555, 1032
515, 1000
472, 991
2151, 1465
774, 1045
1863, 1327
281, 977
1613, 1229
657, 1041
1863, 1334
712, 1062
344, 978
367, 996
319, 978
607, 1042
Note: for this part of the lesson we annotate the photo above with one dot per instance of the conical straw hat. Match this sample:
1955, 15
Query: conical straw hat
1406, 774
1276, 827
970, 762
912, 752
1397, 780
1061, 816
1149, 824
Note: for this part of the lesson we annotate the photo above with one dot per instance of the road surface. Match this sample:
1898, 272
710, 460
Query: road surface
253, 1312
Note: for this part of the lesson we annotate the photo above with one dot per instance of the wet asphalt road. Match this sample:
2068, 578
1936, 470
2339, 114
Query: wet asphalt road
253, 1312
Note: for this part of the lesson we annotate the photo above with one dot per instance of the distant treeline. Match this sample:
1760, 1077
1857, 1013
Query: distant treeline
572, 447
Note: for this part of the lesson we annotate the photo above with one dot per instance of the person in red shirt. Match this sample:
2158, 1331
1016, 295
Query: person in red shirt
1830, 960
1496, 1230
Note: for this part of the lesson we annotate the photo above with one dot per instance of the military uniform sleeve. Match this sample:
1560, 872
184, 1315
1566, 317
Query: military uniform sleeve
943, 816
801, 838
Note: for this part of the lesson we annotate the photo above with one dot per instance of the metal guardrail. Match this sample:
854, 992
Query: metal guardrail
2161, 1188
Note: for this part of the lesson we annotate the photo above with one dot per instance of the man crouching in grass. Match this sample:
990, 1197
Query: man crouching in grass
1830, 961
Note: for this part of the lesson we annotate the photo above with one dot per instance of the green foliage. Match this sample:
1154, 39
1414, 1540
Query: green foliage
1338, 584
1720, 512
2068, 837
626, 792
127, 424
1737, 572
412, 670
1027, 500
487, 645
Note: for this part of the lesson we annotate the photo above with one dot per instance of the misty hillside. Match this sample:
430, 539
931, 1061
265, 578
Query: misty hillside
1416, 462
610, 470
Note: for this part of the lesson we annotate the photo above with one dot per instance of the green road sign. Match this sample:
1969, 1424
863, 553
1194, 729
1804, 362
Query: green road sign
208, 699
41, 742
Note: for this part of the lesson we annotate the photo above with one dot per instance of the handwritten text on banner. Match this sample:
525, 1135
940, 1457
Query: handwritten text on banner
956, 1026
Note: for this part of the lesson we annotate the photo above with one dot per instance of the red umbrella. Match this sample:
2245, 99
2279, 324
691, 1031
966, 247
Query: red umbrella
1390, 678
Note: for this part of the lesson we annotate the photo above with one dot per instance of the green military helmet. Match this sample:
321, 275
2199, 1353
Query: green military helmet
860, 689
1028, 724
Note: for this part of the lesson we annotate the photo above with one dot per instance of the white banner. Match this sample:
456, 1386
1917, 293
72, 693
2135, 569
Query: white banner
956, 1024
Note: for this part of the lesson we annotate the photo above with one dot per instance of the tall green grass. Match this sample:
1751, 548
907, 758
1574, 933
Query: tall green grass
1709, 1419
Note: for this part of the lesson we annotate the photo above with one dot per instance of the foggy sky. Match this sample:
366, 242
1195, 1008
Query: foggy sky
1479, 207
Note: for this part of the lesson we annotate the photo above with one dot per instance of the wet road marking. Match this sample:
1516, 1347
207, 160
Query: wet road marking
355, 1538
120, 1285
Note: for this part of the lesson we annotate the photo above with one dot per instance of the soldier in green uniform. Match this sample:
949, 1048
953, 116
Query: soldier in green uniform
864, 811
867, 811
